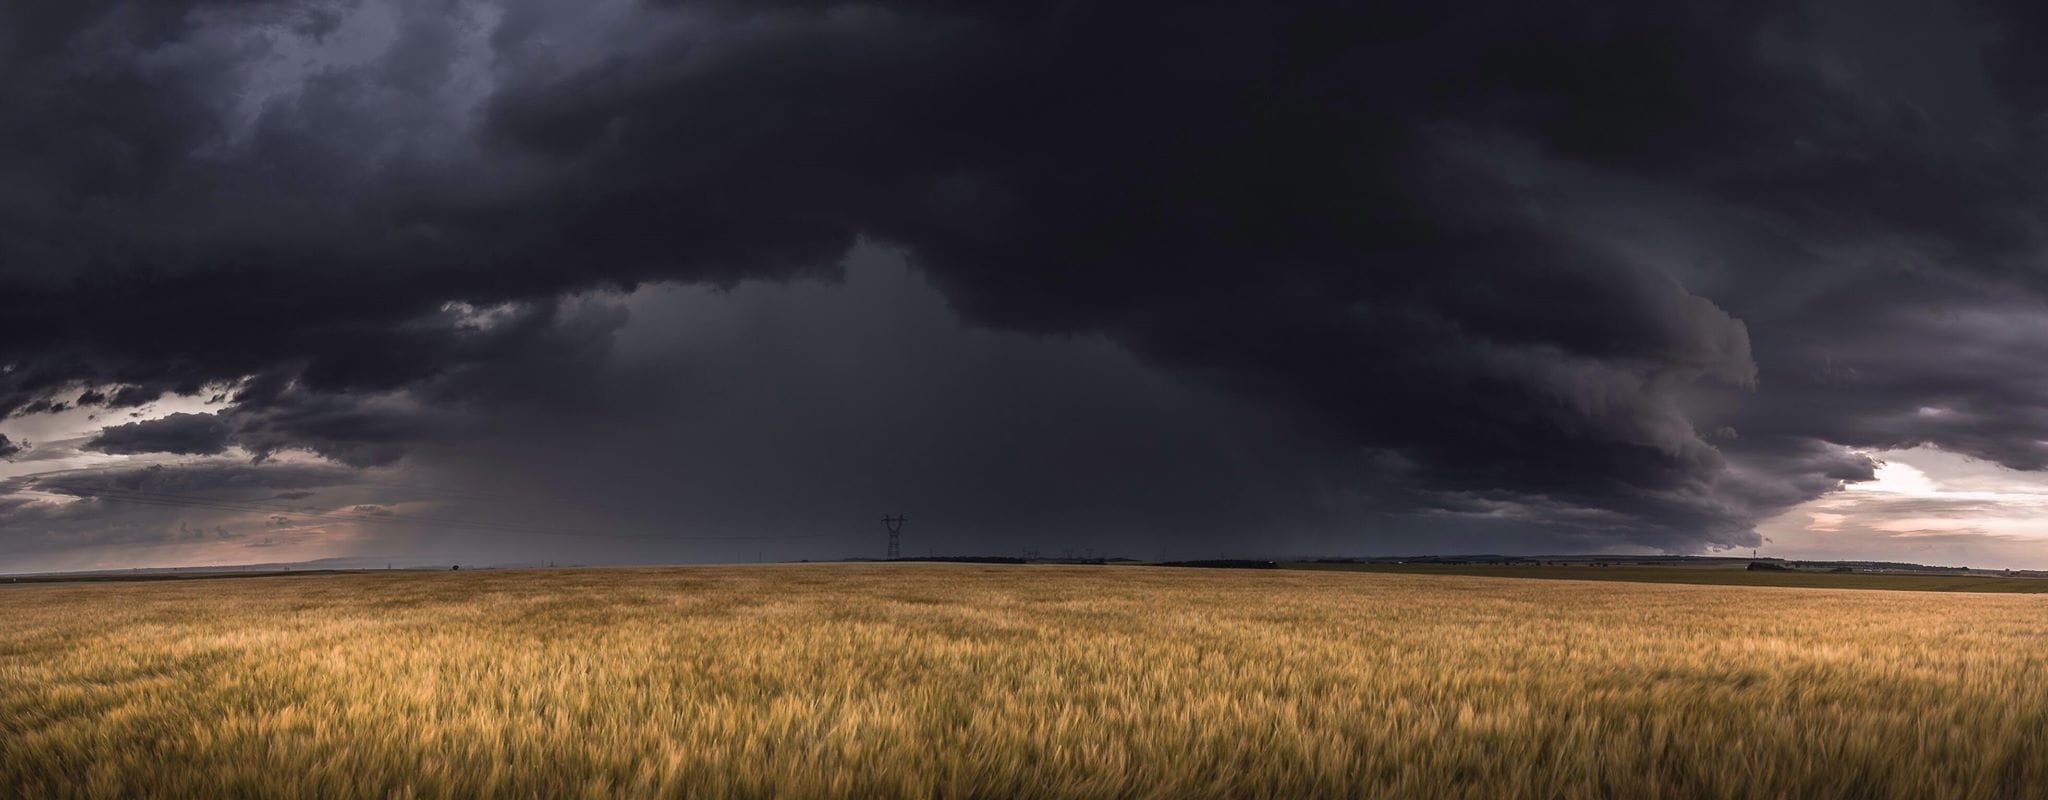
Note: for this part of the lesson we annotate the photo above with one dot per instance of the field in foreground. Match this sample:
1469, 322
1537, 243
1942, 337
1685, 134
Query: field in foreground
929, 680
1717, 574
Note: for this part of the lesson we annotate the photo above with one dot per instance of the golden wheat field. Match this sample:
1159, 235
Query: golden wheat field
933, 680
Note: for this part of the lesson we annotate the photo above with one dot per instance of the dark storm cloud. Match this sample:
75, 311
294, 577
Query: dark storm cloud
726, 414
146, 505
9, 448
2010, 57
185, 434
215, 479
1344, 215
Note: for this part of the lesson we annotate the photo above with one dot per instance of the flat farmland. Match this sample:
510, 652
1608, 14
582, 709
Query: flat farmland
949, 680
1718, 574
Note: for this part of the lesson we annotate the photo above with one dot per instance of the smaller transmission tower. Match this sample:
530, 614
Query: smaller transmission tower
895, 526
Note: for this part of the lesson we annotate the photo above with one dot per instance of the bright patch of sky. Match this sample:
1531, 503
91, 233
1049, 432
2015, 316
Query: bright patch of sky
58, 437
1926, 506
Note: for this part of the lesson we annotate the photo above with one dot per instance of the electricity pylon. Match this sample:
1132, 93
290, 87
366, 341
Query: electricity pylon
895, 526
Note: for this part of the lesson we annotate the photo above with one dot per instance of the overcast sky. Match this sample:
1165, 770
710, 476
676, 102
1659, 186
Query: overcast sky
647, 281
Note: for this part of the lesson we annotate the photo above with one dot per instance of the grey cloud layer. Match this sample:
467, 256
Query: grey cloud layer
89, 519
356, 221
